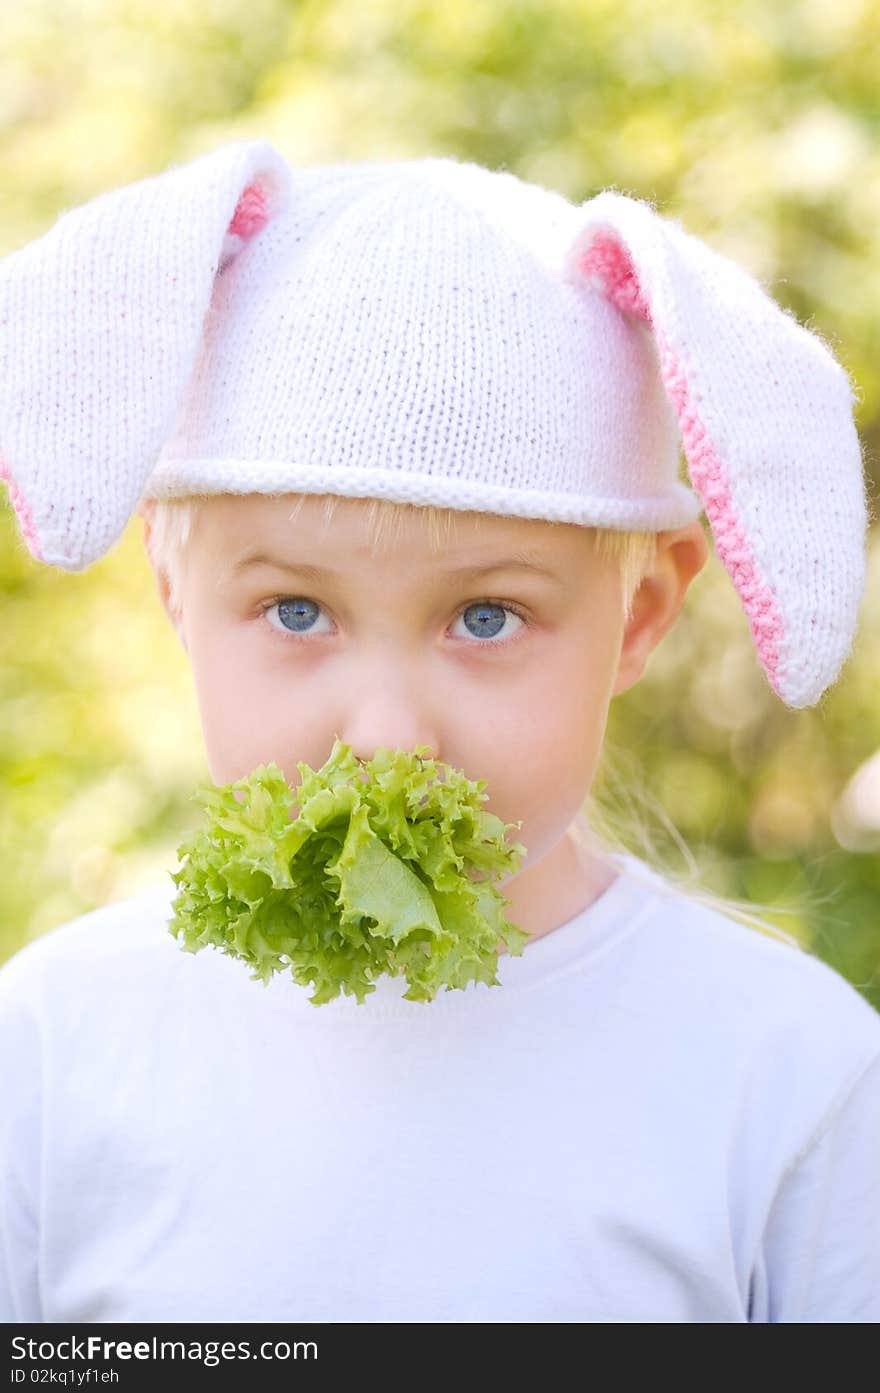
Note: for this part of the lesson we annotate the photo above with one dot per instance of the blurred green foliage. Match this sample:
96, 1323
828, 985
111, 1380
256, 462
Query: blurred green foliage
755, 124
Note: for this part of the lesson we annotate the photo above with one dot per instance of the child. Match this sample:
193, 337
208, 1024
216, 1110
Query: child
658, 1114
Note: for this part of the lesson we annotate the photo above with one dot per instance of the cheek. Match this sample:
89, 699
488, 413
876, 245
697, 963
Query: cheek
252, 711
561, 701
544, 744
242, 721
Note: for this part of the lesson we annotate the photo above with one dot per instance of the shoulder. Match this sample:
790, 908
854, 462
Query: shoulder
746, 985
122, 937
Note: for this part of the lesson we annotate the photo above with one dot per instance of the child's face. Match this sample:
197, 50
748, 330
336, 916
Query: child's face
393, 648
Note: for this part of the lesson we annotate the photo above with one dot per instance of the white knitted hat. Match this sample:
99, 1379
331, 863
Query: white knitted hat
436, 333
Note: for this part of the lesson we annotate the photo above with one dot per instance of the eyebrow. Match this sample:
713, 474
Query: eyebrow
518, 562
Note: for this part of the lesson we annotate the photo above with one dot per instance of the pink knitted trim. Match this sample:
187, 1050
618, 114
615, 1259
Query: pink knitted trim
251, 211
610, 268
709, 477
23, 512
251, 214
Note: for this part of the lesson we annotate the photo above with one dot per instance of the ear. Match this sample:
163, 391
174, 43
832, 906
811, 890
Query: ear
681, 554
765, 416
101, 324
160, 574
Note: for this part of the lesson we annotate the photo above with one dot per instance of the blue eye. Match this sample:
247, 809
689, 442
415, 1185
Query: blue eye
485, 619
488, 618
296, 615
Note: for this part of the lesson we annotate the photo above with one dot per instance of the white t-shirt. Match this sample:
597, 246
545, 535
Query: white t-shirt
660, 1115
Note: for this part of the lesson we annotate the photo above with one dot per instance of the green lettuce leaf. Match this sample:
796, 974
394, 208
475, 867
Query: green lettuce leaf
382, 866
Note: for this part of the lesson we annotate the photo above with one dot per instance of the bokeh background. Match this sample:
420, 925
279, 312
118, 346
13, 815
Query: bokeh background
756, 124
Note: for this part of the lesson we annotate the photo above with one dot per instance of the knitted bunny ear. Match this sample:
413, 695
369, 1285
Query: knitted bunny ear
765, 414
100, 325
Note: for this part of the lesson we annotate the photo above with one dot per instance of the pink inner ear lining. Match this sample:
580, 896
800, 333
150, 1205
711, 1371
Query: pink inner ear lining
709, 477
251, 212
22, 511
609, 267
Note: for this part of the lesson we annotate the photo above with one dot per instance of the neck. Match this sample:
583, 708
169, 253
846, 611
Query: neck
555, 889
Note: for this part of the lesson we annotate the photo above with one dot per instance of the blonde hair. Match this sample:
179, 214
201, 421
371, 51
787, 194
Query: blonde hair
612, 820
173, 520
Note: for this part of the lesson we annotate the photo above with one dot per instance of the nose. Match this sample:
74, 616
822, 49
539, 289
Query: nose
388, 706
395, 735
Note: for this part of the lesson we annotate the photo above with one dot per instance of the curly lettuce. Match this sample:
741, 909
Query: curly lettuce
387, 866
